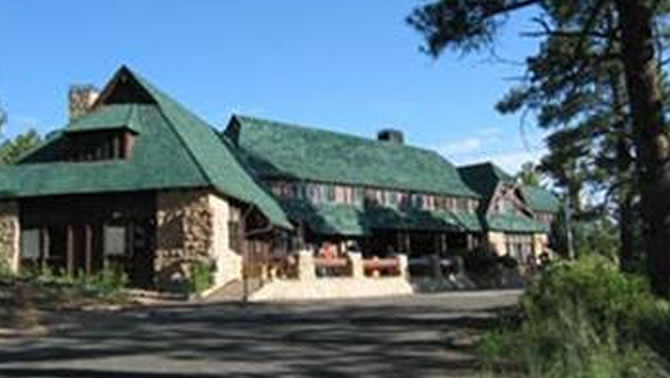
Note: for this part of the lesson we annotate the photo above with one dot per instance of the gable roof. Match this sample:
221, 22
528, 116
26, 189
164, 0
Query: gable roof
281, 150
175, 149
486, 178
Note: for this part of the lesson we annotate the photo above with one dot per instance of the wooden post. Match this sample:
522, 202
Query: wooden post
88, 246
70, 250
471, 242
44, 247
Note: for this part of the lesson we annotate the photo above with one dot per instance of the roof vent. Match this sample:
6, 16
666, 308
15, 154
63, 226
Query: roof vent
391, 135
80, 99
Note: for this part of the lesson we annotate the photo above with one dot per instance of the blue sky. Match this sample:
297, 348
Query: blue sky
349, 66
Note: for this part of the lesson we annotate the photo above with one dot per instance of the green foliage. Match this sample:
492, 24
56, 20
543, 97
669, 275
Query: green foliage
201, 276
12, 149
5, 268
529, 174
107, 281
584, 319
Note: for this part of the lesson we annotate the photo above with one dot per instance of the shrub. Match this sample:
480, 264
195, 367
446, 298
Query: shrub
584, 319
108, 281
5, 268
201, 276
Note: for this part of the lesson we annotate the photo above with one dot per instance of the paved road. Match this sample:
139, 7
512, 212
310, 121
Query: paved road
413, 336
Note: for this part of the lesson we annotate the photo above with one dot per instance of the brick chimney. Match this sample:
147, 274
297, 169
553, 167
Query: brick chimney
80, 99
391, 135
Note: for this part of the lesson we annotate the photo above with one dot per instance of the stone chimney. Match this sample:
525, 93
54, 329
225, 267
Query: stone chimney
80, 99
391, 135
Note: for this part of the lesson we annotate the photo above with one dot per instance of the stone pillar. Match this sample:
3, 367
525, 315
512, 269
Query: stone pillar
184, 234
306, 268
357, 270
496, 240
10, 235
403, 265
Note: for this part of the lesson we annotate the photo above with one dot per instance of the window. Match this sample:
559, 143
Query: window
330, 193
372, 196
417, 201
235, 236
30, 244
340, 195
114, 241
519, 246
276, 188
359, 194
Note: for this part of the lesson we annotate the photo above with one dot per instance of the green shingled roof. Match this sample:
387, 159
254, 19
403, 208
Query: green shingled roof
277, 149
174, 149
350, 220
513, 223
540, 199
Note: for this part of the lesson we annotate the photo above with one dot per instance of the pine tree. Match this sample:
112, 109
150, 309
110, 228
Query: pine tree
598, 72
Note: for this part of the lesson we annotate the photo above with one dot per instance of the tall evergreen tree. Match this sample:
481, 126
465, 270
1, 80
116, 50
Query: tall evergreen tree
585, 45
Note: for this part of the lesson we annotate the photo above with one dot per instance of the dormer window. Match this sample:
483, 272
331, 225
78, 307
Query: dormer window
99, 145
108, 132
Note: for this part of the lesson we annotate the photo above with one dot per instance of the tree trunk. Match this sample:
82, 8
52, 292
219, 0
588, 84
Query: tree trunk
625, 167
627, 255
652, 145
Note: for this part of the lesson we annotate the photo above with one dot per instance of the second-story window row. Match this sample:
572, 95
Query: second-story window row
364, 196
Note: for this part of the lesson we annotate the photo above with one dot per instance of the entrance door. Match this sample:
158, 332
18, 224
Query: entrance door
84, 249
141, 262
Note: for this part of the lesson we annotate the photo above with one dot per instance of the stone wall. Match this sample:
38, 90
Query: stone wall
228, 262
9, 234
184, 234
192, 226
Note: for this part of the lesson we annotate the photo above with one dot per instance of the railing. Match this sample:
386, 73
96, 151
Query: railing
332, 266
305, 266
376, 267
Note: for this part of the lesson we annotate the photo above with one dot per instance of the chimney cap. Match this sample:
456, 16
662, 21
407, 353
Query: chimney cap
391, 135
81, 98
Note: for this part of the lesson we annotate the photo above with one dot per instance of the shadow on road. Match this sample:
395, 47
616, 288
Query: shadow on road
315, 339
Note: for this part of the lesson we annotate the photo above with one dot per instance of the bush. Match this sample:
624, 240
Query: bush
5, 268
584, 319
201, 276
108, 281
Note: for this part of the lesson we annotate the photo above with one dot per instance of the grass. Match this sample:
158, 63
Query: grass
26, 299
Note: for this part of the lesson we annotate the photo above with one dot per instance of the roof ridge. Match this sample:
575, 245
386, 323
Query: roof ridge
336, 133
